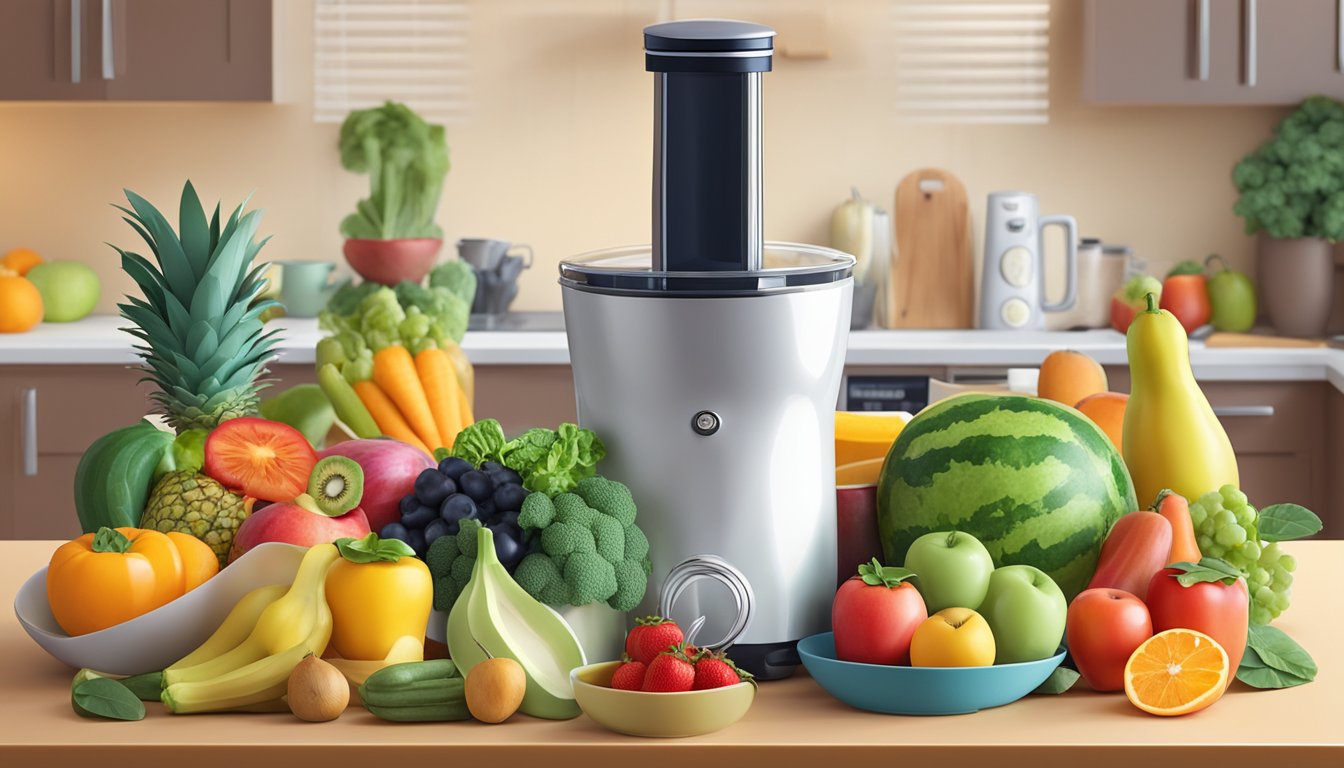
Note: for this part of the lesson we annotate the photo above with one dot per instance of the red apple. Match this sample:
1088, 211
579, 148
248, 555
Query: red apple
390, 468
1103, 629
1131, 299
294, 524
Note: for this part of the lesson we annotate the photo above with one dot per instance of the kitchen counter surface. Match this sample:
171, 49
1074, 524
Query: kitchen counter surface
97, 340
793, 722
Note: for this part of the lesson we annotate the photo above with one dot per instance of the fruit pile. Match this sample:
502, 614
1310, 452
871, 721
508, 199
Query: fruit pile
1226, 298
657, 660
33, 290
455, 491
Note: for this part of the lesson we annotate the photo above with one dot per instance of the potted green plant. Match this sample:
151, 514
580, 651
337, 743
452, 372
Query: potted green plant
1292, 195
392, 236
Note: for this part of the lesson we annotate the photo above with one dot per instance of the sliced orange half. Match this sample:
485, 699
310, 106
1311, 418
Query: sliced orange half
1176, 672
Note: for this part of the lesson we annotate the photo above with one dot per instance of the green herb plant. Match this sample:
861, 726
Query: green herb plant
406, 159
1293, 184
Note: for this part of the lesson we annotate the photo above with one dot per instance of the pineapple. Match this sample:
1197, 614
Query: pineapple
203, 344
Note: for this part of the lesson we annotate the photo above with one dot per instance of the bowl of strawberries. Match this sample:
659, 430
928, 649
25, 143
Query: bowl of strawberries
663, 686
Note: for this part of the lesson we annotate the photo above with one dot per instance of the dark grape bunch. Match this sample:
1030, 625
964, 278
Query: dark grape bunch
457, 491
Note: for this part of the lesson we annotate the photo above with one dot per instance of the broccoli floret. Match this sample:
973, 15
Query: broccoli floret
609, 537
442, 552
563, 539
590, 578
537, 512
608, 497
631, 581
445, 593
537, 572
636, 543
466, 537
571, 509
462, 567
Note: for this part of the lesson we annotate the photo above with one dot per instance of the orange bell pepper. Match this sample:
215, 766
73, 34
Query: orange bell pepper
105, 578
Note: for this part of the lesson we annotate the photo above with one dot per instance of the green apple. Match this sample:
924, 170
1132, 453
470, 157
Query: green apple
1231, 299
69, 289
953, 569
1027, 613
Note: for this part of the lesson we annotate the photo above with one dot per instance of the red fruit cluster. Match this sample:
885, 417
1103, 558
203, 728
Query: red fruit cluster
657, 661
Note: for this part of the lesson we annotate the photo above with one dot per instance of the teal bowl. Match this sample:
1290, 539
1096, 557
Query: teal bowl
920, 690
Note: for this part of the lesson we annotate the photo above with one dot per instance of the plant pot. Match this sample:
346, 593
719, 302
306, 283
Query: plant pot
1296, 284
391, 261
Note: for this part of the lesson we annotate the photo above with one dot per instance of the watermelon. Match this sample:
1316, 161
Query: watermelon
1035, 481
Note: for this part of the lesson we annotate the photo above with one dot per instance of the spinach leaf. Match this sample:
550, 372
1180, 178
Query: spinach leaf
1256, 674
1278, 651
1059, 681
1284, 522
106, 698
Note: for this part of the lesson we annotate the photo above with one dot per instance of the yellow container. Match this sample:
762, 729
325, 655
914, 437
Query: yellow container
861, 436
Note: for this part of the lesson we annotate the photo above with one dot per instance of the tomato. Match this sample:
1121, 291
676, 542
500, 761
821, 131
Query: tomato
873, 624
102, 579
1103, 629
1221, 611
1187, 297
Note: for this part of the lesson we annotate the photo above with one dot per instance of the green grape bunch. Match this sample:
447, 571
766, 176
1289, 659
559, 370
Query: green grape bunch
1225, 528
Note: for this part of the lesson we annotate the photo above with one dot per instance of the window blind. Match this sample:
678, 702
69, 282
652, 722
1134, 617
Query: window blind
972, 61
366, 52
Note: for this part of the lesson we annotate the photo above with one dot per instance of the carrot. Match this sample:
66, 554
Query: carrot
1176, 509
386, 415
394, 373
465, 404
441, 390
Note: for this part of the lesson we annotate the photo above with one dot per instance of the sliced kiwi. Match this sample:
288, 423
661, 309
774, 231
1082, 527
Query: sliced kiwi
336, 485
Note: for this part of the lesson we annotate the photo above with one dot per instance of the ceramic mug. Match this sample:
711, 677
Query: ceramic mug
304, 286
485, 254
856, 538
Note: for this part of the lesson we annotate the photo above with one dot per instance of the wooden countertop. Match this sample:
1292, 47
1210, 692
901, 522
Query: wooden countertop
793, 722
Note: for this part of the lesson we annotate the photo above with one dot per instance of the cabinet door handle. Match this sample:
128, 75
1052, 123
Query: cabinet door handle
109, 69
1202, 36
1248, 40
76, 33
1339, 34
1243, 410
30, 432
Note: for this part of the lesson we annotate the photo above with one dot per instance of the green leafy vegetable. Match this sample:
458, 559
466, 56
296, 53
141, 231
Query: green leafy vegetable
1208, 569
106, 698
549, 461
1293, 184
456, 276
1284, 522
479, 442
1059, 681
372, 549
1274, 660
368, 317
407, 161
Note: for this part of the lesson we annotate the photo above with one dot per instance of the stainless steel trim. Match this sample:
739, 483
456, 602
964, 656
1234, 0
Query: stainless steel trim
755, 185
76, 38
29, 428
765, 54
1202, 39
1248, 40
109, 67
658, 260
1232, 411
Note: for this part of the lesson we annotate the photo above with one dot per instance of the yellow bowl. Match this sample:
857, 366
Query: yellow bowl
663, 715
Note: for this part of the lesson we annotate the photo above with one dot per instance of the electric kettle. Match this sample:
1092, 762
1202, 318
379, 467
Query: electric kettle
1012, 284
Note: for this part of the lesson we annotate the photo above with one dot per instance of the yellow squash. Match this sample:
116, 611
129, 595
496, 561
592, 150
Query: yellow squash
1172, 438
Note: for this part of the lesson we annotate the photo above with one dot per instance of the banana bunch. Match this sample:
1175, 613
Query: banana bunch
247, 661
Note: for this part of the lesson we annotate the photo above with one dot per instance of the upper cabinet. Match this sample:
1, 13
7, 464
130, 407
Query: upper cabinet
1212, 51
136, 50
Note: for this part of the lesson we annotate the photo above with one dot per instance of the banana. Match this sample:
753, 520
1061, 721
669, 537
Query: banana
407, 648
236, 627
285, 623
256, 671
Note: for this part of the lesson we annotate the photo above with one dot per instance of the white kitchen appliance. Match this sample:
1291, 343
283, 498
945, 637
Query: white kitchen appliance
1012, 285
709, 363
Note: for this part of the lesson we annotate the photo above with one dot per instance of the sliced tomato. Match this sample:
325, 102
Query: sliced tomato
260, 458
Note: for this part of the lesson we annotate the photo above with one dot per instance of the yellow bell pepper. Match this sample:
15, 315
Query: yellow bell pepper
379, 592
1172, 439
102, 579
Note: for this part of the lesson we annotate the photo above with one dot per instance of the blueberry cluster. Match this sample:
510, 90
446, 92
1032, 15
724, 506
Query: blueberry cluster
455, 491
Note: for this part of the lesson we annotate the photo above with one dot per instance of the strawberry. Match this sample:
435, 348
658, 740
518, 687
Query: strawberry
716, 671
651, 636
629, 676
669, 672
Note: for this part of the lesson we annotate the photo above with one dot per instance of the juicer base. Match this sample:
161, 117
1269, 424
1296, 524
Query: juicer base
767, 661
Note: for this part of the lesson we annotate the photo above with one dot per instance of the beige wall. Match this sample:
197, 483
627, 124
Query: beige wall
556, 150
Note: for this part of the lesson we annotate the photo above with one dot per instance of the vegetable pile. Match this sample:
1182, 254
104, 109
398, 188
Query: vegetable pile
1293, 184
407, 161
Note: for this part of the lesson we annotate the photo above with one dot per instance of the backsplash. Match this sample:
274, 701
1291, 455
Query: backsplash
555, 149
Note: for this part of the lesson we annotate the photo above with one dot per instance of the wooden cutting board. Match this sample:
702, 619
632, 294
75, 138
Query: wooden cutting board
932, 279
1220, 339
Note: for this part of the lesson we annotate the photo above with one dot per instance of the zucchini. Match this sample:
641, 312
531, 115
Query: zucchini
395, 676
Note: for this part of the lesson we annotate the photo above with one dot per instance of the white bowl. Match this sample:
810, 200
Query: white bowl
156, 639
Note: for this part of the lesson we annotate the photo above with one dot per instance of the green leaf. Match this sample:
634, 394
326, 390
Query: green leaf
1208, 570
106, 698
372, 549
1059, 681
874, 574
110, 540
1254, 672
146, 687
1279, 651
1285, 522
479, 442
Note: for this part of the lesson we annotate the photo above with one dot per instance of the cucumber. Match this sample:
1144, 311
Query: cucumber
396, 676
424, 714
349, 408
418, 694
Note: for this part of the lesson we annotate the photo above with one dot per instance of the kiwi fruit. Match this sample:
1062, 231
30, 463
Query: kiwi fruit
336, 485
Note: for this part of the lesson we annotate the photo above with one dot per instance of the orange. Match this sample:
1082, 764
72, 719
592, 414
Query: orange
21, 260
1106, 410
864, 472
1176, 672
1068, 376
20, 303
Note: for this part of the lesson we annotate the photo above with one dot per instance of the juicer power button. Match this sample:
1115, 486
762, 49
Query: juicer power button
705, 423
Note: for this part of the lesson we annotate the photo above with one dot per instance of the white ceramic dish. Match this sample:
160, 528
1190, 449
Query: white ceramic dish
164, 635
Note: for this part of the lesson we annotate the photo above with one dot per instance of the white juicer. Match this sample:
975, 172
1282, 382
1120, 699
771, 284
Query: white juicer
709, 363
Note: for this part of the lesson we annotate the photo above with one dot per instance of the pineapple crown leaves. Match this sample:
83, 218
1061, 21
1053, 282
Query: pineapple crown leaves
200, 319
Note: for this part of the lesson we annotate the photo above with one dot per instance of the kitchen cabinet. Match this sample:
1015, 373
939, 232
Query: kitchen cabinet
1212, 51
136, 50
